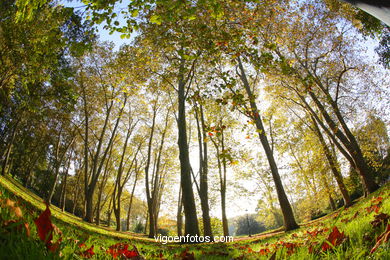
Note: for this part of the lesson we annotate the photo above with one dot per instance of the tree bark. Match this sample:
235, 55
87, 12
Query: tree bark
333, 165
222, 179
131, 201
203, 171
288, 216
179, 216
9, 149
191, 220
152, 231
350, 143
64, 186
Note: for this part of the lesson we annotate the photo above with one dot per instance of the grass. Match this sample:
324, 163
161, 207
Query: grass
355, 222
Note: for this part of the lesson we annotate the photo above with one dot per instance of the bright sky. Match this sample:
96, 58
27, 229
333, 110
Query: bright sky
103, 34
237, 203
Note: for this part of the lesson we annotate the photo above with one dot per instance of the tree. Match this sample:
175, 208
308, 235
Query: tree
203, 163
313, 72
155, 176
98, 74
248, 224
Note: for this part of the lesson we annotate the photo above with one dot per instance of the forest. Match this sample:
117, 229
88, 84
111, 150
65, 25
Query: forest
201, 118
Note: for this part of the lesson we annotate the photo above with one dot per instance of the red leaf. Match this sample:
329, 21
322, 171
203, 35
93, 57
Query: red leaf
210, 134
185, 255
82, 245
376, 200
335, 238
290, 247
264, 251
87, 253
44, 226
374, 208
54, 247
121, 249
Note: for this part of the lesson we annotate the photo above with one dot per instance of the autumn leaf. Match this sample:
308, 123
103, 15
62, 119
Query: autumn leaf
44, 226
335, 238
87, 253
290, 247
82, 245
374, 208
264, 251
54, 247
10, 203
121, 249
380, 219
185, 255
18, 212
16, 226
27, 227
376, 200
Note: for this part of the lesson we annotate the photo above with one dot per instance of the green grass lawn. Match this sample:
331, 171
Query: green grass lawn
359, 227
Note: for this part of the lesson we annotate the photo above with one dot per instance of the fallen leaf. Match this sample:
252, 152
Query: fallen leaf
10, 203
264, 251
27, 227
87, 253
44, 226
121, 249
185, 255
54, 247
335, 238
380, 219
18, 212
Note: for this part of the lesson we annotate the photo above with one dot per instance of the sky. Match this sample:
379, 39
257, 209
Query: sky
237, 203
104, 35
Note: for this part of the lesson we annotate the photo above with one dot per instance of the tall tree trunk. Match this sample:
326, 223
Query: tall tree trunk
146, 222
191, 220
222, 179
57, 164
149, 198
327, 188
288, 216
203, 171
76, 191
225, 224
29, 175
109, 212
64, 186
333, 165
9, 149
351, 145
99, 160
131, 201
58, 161
179, 215
102, 185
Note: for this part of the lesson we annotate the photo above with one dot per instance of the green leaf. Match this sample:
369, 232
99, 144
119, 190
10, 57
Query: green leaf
134, 13
155, 19
192, 17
